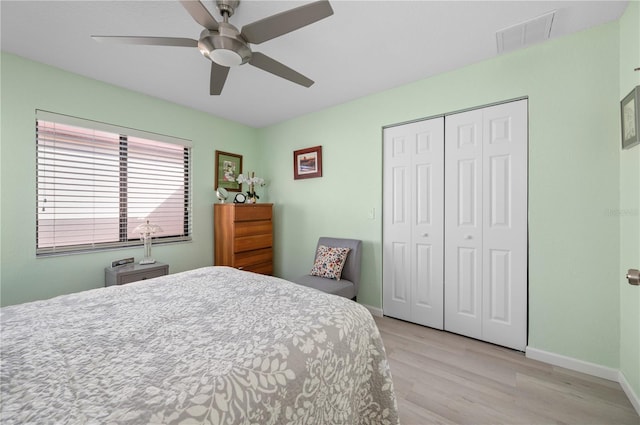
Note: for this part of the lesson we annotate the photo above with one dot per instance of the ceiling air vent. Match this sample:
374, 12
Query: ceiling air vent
525, 33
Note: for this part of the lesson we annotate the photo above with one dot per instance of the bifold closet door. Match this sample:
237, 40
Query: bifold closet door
413, 222
486, 224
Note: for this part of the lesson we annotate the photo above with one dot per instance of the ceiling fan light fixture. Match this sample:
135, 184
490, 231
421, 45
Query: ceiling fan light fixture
224, 47
225, 57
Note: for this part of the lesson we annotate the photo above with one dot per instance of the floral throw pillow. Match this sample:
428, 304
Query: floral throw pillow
329, 262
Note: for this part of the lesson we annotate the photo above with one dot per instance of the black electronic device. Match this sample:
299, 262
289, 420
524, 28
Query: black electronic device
124, 261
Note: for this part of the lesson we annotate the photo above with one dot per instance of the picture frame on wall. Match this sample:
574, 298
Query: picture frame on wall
228, 168
630, 118
307, 163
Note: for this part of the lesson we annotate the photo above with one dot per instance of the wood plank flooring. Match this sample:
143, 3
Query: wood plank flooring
442, 378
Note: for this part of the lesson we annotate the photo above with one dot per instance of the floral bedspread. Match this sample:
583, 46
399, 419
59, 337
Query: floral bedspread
208, 346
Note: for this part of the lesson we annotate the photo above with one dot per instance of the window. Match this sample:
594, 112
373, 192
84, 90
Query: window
97, 182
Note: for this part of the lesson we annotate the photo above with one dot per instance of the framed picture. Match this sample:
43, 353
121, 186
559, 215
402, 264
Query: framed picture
228, 167
307, 163
630, 118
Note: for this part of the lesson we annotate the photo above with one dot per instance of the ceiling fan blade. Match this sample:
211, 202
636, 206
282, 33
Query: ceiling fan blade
218, 77
284, 22
200, 14
148, 41
265, 63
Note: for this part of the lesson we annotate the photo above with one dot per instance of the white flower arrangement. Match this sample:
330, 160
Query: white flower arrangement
252, 181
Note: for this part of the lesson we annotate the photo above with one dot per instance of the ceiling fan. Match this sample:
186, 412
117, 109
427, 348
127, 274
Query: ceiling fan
225, 46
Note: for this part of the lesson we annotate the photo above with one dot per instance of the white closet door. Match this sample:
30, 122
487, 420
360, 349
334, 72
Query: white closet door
396, 255
505, 225
413, 222
486, 226
463, 212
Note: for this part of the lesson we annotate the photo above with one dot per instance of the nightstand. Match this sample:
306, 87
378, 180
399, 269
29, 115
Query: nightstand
133, 272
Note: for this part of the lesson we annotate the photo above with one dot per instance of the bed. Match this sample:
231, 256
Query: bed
210, 346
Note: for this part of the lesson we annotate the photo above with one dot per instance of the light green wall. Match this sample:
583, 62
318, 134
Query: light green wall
629, 207
572, 85
27, 86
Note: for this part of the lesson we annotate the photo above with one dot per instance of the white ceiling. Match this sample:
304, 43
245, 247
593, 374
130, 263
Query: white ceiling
365, 47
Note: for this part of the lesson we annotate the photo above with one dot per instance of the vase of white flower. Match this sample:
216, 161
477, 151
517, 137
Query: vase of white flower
253, 181
252, 196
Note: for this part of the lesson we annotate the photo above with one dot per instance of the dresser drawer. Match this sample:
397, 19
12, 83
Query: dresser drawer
249, 228
248, 212
251, 243
243, 260
134, 277
264, 268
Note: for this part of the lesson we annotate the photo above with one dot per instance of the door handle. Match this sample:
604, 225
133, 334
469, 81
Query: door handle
633, 277
468, 237
425, 234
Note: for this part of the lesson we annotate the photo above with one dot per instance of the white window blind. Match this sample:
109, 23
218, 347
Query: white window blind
97, 182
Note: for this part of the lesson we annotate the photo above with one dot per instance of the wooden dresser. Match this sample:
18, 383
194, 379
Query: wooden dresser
243, 235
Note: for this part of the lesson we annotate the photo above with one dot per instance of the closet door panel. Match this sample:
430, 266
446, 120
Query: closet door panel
413, 222
428, 232
397, 224
400, 291
463, 224
467, 192
424, 264
466, 280
499, 286
505, 224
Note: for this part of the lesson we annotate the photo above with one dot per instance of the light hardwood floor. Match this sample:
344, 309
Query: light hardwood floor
442, 378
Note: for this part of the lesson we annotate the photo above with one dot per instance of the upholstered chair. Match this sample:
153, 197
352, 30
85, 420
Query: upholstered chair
347, 285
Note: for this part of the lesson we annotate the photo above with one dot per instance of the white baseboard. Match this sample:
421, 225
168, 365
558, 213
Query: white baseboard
573, 364
588, 368
631, 395
375, 311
